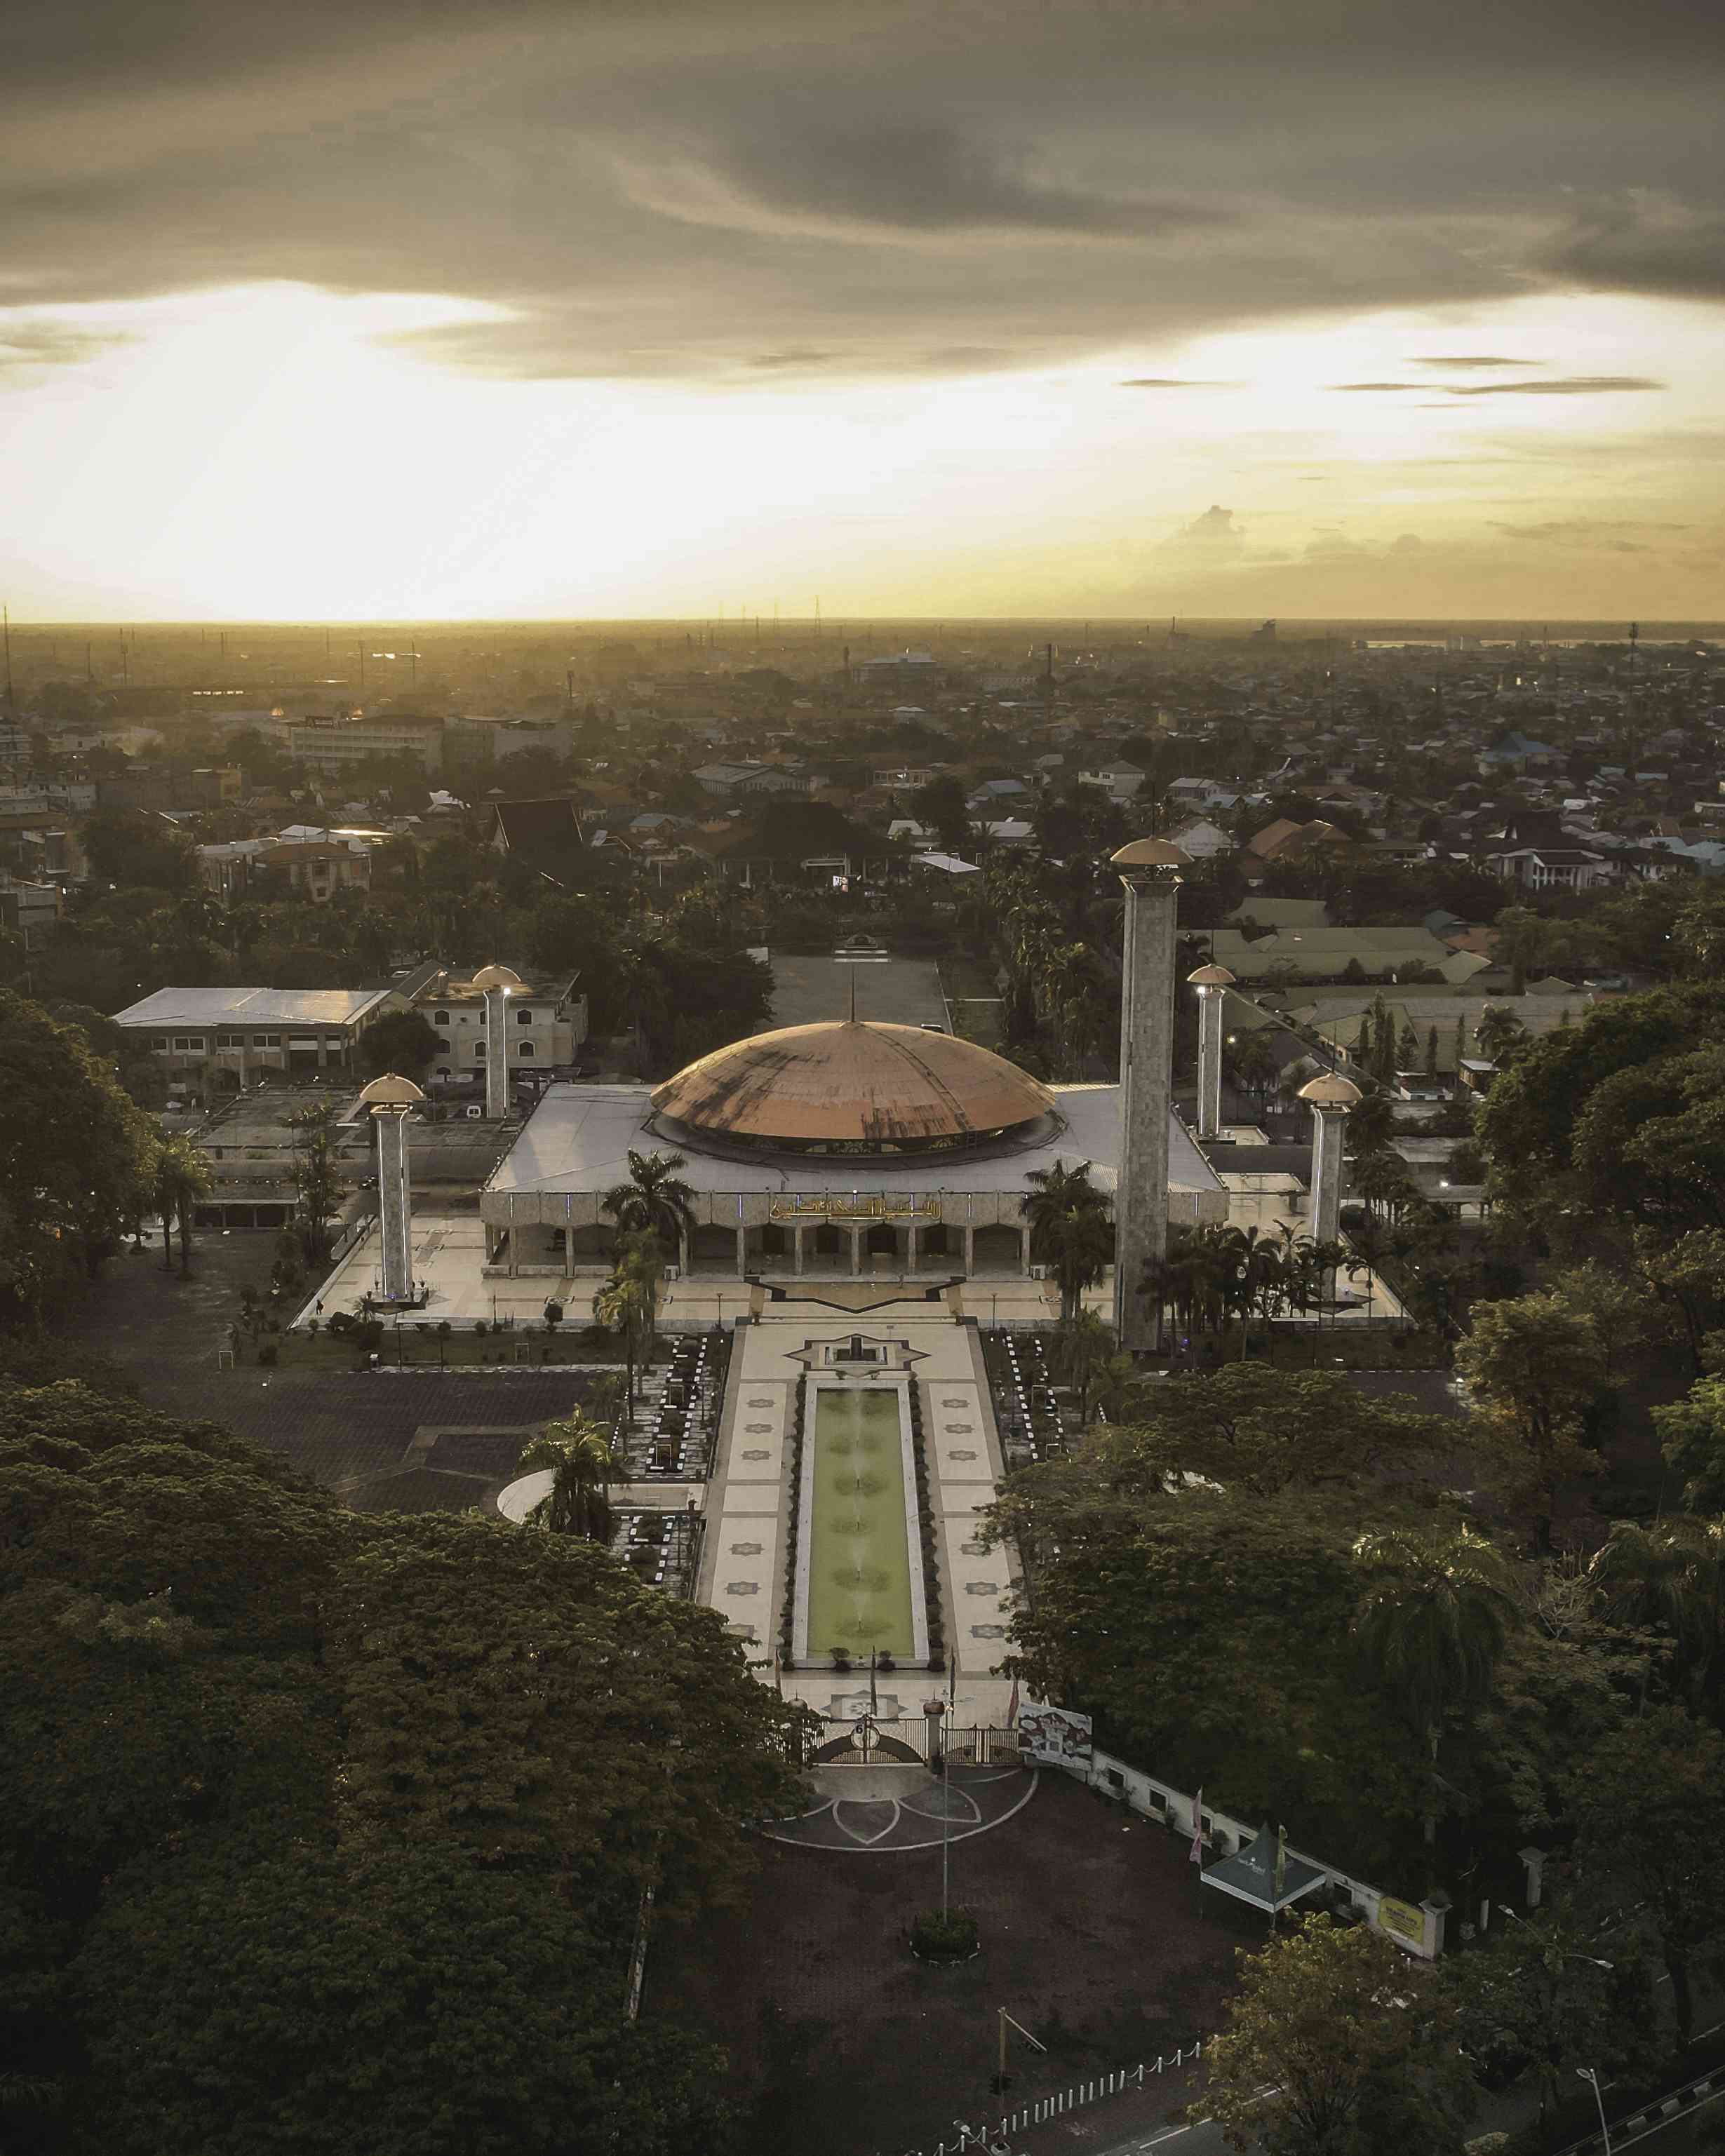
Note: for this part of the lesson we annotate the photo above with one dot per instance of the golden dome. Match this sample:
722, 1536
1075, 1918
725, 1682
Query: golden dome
1151, 854
497, 976
1331, 1091
390, 1091
1211, 977
853, 1082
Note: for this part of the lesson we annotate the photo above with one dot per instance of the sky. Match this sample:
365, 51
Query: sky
396, 310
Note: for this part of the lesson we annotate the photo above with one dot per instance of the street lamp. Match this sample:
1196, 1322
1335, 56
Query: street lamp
1589, 2075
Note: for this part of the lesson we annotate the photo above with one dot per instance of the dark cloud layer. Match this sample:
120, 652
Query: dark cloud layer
746, 188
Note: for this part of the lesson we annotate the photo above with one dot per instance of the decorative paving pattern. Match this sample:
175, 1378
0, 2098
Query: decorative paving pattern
960, 1429
981, 1587
746, 1549
974, 1549
955, 1403
761, 1404
758, 1429
758, 1452
970, 1800
988, 1631
742, 1586
960, 1452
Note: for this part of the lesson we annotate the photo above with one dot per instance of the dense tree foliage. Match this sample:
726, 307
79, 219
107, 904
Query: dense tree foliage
1335, 2045
326, 1832
77, 1160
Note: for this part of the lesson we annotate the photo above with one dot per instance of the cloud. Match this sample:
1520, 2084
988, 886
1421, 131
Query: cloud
1171, 381
1474, 359
681, 189
1355, 387
29, 348
1215, 533
1573, 385
1644, 241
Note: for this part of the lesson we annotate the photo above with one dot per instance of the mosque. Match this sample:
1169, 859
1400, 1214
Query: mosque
852, 1150
834, 1157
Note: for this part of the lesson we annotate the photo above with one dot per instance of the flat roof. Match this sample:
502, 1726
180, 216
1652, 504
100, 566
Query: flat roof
170, 1007
579, 1137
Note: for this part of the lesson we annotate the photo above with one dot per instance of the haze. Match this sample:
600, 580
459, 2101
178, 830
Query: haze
541, 311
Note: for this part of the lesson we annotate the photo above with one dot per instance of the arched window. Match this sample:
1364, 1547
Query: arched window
523, 1016
524, 1049
442, 1018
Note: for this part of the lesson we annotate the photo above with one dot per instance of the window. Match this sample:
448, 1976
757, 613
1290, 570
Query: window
159, 1042
230, 1040
441, 1018
524, 1048
190, 1044
524, 1016
266, 1040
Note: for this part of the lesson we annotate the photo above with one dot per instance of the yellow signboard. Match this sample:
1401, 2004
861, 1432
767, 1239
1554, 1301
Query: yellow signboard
855, 1207
1401, 1920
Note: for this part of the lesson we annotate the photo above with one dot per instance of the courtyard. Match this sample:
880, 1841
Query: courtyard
1096, 1936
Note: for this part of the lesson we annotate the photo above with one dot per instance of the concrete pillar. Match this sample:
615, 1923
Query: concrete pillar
857, 1236
913, 1248
1330, 1098
1149, 868
395, 1204
969, 1252
796, 1250
496, 1052
1212, 983
1024, 1252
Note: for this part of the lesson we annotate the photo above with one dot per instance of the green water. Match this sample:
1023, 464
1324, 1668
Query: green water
859, 1552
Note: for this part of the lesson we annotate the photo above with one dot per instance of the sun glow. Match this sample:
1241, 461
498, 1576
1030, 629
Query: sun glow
281, 452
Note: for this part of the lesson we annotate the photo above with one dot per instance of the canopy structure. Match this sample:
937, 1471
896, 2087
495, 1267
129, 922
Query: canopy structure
1250, 1875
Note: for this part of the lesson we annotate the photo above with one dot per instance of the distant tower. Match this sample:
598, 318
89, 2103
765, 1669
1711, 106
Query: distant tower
1212, 983
1150, 870
391, 1100
1331, 1098
497, 983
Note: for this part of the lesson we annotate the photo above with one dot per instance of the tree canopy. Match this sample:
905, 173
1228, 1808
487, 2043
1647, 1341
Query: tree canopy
330, 1832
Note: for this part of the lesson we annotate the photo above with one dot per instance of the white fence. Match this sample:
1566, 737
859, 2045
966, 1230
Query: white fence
1419, 1930
1042, 2109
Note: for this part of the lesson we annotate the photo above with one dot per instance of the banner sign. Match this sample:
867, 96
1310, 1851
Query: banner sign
1402, 1921
1055, 1735
855, 1207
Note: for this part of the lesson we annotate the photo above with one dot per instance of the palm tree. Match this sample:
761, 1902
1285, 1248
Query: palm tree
1438, 1606
1070, 1229
182, 1176
1082, 1348
578, 1453
653, 1200
629, 1302
1672, 1574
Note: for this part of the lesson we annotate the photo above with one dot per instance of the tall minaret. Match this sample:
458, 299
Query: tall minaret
497, 984
391, 1100
1212, 983
1150, 870
1331, 1098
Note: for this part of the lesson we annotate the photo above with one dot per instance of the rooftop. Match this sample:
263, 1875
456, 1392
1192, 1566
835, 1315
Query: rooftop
170, 1007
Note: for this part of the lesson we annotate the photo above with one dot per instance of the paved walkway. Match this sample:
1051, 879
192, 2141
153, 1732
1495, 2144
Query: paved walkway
891, 1811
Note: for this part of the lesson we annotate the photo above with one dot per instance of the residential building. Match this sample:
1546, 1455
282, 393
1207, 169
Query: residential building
230, 1034
331, 746
546, 1022
1551, 868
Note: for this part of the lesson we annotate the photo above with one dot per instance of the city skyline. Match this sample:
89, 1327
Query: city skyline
998, 311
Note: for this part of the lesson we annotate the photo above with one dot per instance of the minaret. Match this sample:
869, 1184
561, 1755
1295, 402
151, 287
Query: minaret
392, 1100
497, 983
1150, 870
1331, 1097
1212, 983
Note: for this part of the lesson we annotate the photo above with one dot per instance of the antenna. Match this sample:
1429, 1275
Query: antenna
6, 613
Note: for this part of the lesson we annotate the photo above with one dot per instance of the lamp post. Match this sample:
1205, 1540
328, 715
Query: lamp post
1590, 2076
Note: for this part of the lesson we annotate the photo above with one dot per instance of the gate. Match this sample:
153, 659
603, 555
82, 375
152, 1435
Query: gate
869, 1741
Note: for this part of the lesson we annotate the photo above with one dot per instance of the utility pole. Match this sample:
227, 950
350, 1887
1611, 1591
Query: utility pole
6, 612
1002, 2079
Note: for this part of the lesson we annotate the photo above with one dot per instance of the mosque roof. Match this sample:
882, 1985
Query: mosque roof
852, 1081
